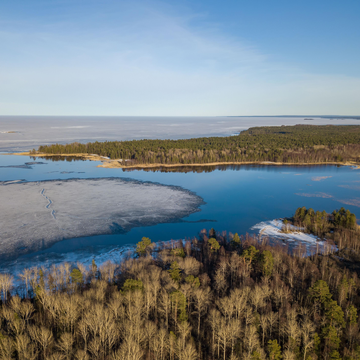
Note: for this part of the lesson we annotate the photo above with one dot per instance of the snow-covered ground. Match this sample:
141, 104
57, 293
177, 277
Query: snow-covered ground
35, 215
273, 229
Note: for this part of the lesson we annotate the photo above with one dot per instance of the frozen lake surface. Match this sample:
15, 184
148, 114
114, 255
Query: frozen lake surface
37, 214
22, 133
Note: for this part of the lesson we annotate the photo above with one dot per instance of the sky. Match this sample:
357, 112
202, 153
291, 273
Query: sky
179, 58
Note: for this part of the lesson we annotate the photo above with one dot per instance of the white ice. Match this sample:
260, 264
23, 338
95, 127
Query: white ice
32, 131
35, 215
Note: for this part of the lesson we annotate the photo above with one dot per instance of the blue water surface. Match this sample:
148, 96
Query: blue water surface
236, 198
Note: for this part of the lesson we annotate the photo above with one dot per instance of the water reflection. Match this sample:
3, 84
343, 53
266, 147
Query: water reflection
210, 168
60, 158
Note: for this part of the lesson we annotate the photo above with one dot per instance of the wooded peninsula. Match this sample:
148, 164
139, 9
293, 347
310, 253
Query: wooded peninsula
299, 144
217, 296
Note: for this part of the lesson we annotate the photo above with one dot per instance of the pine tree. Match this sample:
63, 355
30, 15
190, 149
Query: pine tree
236, 242
274, 350
213, 244
266, 262
76, 277
175, 271
320, 292
144, 246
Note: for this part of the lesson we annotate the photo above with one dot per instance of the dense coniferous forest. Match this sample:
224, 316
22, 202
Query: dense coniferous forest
217, 296
323, 224
286, 144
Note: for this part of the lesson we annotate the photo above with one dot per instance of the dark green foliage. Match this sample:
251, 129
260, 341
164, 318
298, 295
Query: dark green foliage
144, 246
178, 252
175, 271
193, 281
317, 343
41, 279
131, 285
334, 314
352, 315
236, 242
320, 292
256, 356
320, 222
334, 355
250, 253
331, 338
213, 245
274, 350
340, 227
344, 218
287, 144
266, 261
76, 277
300, 214
178, 301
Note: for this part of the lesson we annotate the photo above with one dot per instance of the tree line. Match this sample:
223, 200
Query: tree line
217, 296
286, 144
340, 226
323, 224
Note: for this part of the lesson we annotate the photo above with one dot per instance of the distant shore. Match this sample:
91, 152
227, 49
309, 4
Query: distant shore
117, 163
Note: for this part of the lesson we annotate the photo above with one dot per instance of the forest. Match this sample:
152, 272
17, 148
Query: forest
216, 296
284, 144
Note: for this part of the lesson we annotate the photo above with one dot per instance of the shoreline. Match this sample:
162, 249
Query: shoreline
116, 164
63, 217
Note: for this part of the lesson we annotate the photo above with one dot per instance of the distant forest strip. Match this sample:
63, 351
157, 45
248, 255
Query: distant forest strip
215, 297
285, 144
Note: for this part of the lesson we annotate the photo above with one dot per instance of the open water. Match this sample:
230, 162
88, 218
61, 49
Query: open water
236, 199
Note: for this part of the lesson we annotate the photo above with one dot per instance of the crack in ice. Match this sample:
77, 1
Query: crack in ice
85, 207
42, 192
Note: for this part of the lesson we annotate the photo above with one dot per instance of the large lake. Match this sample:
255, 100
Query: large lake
236, 199
19, 133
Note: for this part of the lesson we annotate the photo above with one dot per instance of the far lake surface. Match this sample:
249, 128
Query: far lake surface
236, 198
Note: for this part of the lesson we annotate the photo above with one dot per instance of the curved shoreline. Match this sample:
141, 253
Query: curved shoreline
116, 163
85, 207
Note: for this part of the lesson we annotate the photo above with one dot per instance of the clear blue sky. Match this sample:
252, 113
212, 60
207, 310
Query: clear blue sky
253, 57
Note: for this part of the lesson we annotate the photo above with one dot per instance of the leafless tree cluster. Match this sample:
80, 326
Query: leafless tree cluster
243, 300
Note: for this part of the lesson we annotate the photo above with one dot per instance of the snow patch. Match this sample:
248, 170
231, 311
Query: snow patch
295, 239
273, 229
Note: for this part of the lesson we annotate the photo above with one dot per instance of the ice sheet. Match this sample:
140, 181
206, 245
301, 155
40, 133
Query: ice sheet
35, 215
22, 133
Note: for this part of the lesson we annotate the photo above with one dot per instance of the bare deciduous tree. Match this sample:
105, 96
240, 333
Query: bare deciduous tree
6, 282
43, 336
